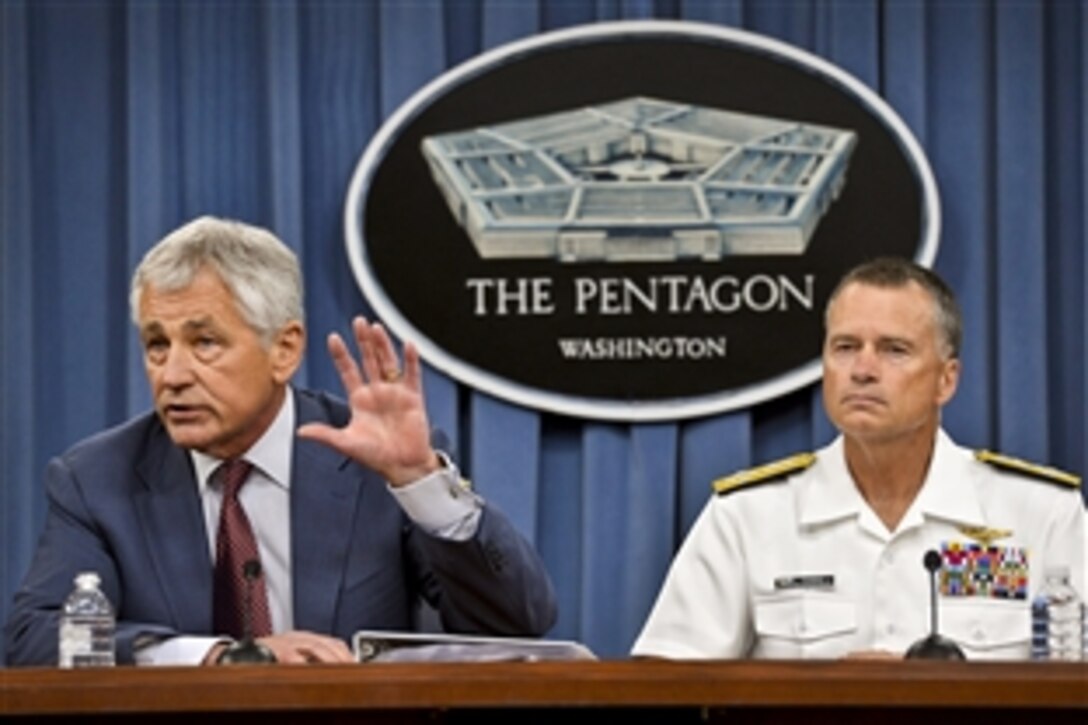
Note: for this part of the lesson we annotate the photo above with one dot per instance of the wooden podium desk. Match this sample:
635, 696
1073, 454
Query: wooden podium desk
632, 691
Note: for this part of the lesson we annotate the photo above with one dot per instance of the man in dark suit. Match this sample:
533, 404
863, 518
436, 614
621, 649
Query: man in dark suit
355, 517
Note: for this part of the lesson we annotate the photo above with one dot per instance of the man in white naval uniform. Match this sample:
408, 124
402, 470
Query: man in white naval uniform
820, 555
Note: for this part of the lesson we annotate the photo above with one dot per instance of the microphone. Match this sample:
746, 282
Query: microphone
247, 650
934, 646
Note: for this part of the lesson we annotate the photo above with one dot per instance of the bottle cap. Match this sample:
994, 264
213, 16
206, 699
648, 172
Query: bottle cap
88, 580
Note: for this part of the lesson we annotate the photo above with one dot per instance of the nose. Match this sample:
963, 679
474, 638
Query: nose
177, 369
863, 368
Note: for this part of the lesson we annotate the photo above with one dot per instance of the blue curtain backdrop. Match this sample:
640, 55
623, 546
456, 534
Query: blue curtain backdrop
120, 120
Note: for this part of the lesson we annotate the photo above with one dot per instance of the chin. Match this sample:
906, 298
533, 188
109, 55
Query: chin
862, 430
189, 440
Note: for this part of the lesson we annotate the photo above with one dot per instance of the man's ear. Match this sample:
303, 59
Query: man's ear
287, 348
949, 380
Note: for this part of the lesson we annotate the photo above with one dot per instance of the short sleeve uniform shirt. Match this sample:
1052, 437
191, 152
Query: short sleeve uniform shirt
800, 567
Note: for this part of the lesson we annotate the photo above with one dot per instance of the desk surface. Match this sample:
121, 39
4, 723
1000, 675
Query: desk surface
390, 688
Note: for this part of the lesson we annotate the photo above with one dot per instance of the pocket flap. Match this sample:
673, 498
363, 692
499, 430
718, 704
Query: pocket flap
804, 616
985, 624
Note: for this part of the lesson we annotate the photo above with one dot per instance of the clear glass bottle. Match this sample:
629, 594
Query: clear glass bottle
87, 626
1057, 619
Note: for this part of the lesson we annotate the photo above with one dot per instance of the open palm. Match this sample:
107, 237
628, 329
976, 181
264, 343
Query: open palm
388, 431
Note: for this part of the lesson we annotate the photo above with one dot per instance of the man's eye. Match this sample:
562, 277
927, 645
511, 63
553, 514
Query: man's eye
155, 350
207, 346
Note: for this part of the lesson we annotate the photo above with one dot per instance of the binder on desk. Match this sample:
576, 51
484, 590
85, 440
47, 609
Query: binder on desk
379, 646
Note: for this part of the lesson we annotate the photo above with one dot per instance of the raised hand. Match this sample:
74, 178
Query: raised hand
388, 431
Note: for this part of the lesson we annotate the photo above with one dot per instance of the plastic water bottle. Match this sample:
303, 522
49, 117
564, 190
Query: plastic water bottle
1084, 631
1057, 628
87, 626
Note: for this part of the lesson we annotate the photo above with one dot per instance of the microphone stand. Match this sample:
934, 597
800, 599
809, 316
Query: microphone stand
247, 651
934, 646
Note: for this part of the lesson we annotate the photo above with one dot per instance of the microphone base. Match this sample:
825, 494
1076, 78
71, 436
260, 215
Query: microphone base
246, 652
935, 647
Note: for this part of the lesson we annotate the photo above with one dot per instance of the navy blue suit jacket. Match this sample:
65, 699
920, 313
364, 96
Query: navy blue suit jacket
125, 504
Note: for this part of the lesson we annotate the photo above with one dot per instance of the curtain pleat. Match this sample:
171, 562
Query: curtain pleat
21, 449
1077, 427
340, 110
561, 525
413, 50
1065, 146
151, 177
709, 449
283, 143
1020, 248
505, 22
853, 40
508, 475
959, 147
648, 506
121, 119
903, 62
605, 480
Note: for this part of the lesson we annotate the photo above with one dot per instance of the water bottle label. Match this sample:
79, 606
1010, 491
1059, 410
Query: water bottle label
1057, 623
75, 638
75, 641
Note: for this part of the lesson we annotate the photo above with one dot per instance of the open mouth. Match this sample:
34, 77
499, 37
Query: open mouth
181, 414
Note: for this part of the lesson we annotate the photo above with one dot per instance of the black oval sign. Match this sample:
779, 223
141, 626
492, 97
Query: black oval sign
632, 221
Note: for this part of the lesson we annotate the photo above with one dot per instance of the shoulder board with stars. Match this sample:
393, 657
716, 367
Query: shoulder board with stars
1026, 468
764, 474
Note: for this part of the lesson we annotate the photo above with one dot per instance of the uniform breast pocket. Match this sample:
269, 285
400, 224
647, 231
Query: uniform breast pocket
804, 625
987, 628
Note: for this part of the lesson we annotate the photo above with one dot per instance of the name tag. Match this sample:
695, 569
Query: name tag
804, 581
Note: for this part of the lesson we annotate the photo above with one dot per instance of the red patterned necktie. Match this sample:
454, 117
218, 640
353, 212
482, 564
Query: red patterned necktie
234, 546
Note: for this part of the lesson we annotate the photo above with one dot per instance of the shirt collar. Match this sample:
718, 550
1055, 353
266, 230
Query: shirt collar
948, 492
271, 453
830, 493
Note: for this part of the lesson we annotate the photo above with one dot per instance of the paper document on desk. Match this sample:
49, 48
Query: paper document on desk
378, 646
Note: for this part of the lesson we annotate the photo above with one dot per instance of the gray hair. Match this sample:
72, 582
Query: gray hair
260, 270
896, 273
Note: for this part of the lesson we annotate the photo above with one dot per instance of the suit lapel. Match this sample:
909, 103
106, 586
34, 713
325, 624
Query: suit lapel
172, 523
324, 491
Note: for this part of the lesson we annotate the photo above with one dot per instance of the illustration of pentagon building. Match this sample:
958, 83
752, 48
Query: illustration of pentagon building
640, 179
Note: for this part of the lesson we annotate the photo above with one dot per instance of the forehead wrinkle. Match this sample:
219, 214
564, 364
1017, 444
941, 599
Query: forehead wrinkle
154, 327
198, 324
